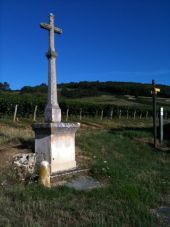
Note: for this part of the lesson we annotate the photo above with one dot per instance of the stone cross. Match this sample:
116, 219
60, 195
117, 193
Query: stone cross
52, 110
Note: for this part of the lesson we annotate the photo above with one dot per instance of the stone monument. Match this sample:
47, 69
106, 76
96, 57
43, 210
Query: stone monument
54, 140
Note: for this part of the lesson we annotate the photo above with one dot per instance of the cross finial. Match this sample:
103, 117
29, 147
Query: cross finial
51, 15
51, 18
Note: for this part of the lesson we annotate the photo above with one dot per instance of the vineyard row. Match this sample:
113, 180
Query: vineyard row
26, 105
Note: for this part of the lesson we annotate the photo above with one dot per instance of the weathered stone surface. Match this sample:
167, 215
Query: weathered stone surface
26, 161
55, 143
165, 211
24, 164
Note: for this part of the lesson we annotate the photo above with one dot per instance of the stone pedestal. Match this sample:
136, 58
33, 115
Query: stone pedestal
54, 140
55, 143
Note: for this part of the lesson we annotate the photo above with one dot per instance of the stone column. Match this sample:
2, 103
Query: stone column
52, 110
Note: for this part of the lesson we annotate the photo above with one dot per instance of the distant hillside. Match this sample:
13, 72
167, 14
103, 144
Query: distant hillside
86, 88
96, 88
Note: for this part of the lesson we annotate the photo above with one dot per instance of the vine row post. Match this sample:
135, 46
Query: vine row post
35, 113
15, 113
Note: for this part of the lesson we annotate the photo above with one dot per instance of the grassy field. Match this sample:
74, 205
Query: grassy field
136, 178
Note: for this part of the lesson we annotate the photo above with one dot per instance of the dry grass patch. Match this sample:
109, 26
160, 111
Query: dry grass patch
10, 134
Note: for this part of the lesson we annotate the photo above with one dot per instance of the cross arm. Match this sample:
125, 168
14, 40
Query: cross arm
45, 26
58, 30
48, 27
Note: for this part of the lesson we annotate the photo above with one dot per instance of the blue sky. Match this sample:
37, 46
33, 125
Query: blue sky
105, 40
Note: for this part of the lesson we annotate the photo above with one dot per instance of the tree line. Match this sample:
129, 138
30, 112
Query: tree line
4, 86
86, 88
96, 88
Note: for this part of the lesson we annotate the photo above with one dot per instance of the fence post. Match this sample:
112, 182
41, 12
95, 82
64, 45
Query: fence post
80, 114
127, 114
111, 114
101, 118
96, 114
35, 113
15, 113
154, 112
140, 115
161, 125
134, 115
67, 112
120, 114
146, 114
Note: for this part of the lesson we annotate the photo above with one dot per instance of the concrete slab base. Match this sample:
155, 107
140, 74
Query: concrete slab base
165, 211
84, 183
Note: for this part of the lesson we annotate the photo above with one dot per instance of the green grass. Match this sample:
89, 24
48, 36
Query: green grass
108, 99
136, 178
123, 100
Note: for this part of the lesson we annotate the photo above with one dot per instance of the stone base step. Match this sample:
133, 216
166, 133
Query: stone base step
58, 177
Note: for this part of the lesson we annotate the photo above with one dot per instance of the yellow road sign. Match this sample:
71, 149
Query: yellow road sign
157, 89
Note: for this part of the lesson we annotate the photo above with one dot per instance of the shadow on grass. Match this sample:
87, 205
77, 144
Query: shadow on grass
148, 131
167, 131
145, 135
132, 131
27, 144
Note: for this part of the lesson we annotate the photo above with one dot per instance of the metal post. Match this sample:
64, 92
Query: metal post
161, 125
154, 111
